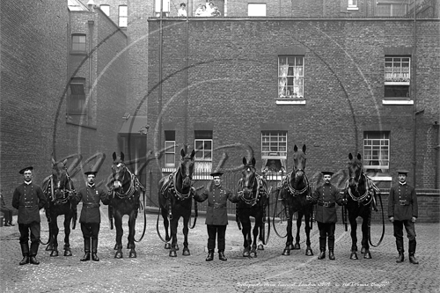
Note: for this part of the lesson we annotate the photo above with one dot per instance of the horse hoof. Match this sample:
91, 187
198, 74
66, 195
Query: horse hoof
67, 253
353, 255
286, 252
186, 252
173, 253
367, 255
296, 246
260, 247
253, 254
309, 252
118, 254
132, 254
167, 246
54, 253
246, 254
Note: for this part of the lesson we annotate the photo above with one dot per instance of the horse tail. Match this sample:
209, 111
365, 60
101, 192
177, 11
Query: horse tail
237, 216
110, 215
75, 215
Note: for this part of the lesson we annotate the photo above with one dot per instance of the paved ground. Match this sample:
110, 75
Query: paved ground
154, 271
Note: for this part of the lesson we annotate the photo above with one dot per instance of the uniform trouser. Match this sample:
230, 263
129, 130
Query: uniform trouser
24, 229
90, 230
8, 215
220, 231
411, 233
326, 230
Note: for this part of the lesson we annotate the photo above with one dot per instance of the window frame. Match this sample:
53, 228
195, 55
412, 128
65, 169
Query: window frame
293, 73
81, 108
78, 47
203, 165
253, 10
122, 19
392, 8
106, 9
383, 144
352, 5
280, 154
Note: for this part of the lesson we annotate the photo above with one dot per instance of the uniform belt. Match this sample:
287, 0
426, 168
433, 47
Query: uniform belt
91, 205
404, 202
217, 205
326, 204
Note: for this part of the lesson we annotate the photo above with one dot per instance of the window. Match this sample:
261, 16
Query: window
256, 9
391, 8
77, 97
165, 7
397, 77
376, 150
291, 77
274, 153
203, 145
79, 43
352, 5
105, 8
123, 16
170, 149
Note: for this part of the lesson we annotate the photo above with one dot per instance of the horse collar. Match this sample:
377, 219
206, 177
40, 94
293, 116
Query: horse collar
134, 185
254, 200
179, 195
291, 189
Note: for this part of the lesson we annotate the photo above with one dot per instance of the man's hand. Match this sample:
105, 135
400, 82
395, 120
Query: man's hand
392, 219
413, 219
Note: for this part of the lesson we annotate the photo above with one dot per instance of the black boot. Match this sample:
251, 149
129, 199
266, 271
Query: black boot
412, 251
331, 245
86, 256
401, 257
210, 255
25, 253
221, 256
95, 249
321, 248
331, 255
33, 253
33, 260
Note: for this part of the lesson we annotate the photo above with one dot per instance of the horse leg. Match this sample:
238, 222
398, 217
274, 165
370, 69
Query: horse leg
309, 251
246, 237
353, 226
185, 235
255, 231
67, 219
132, 225
55, 232
289, 241
166, 224
49, 247
174, 224
119, 231
365, 233
297, 246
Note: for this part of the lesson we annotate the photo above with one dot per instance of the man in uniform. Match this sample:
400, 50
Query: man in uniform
216, 214
326, 196
29, 198
403, 210
90, 218
6, 211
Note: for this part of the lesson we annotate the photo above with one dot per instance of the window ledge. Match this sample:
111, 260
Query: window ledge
397, 102
382, 178
291, 102
353, 8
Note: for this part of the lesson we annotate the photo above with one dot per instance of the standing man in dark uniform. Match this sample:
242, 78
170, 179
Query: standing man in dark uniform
403, 210
216, 215
90, 218
29, 198
326, 196
6, 211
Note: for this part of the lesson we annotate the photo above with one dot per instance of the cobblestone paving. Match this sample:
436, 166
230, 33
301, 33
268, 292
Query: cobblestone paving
154, 271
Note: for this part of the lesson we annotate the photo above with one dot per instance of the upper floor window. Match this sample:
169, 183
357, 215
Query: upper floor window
79, 43
391, 8
170, 149
274, 153
257, 9
397, 76
353, 5
290, 76
105, 8
376, 150
165, 7
123, 15
203, 145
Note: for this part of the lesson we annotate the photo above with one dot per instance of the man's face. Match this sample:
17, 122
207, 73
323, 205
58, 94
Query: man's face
217, 181
402, 178
27, 175
327, 178
90, 178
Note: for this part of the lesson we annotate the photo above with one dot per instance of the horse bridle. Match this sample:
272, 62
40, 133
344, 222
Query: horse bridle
131, 189
363, 197
254, 200
64, 191
291, 189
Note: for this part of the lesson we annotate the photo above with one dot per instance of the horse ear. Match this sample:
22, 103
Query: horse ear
350, 156
253, 162
304, 148
122, 156
295, 148
193, 153
114, 156
182, 153
65, 162
359, 156
244, 161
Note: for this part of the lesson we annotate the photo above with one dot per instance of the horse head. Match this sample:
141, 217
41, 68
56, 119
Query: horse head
248, 177
299, 164
355, 170
118, 171
186, 168
60, 177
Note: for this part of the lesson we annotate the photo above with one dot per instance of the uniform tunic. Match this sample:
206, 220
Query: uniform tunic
28, 199
402, 202
90, 197
216, 213
326, 196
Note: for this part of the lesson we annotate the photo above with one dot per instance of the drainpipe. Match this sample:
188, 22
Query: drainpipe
414, 86
160, 73
91, 25
185, 114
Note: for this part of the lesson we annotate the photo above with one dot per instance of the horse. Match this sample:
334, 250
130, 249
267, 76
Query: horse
253, 201
360, 192
175, 200
59, 191
126, 190
294, 189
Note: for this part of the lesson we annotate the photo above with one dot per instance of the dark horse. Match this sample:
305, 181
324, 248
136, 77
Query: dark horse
360, 193
295, 188
254, 198
125, 200
59, 191
175, 200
